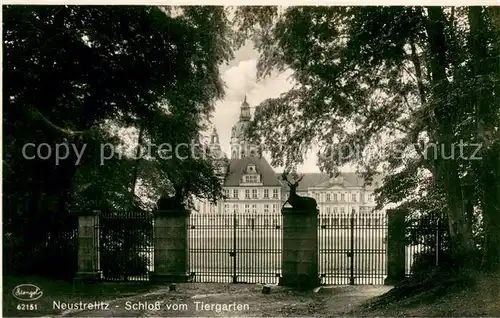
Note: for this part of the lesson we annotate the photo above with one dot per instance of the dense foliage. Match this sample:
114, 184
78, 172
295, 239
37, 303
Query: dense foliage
397, 89
77, 74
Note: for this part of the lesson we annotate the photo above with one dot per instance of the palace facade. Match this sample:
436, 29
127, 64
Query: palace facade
253, 186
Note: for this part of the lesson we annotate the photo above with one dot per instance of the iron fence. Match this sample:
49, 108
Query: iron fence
237, 247
426, 241
352, 248
246, 248
125, 245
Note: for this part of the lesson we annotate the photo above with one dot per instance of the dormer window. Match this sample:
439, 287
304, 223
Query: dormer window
251, 179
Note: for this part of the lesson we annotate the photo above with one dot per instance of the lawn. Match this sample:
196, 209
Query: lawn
62, 291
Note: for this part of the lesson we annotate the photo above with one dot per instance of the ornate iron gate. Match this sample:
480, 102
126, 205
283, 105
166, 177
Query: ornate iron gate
352, 248
237, 247
125, 245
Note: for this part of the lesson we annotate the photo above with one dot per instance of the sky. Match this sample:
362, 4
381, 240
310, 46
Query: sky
240, 76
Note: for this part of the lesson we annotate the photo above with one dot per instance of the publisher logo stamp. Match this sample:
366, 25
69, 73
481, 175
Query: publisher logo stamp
27, 292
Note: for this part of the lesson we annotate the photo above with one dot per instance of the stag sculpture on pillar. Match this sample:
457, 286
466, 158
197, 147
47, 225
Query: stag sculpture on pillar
296, 201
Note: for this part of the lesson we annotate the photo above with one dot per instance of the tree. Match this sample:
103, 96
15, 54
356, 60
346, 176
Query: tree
74, 73
393, 84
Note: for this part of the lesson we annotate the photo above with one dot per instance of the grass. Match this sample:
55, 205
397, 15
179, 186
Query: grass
63, 291
439, 295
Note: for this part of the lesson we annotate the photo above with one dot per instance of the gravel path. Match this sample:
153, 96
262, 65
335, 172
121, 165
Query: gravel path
231, 300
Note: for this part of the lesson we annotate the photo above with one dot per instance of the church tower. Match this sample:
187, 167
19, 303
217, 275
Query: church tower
220, 158
215, 148
240, 144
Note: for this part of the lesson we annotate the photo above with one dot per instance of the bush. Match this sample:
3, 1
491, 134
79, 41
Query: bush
425, 262
55, 258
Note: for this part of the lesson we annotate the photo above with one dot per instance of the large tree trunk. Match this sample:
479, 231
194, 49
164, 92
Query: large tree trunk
485, 107
446, 169
138, 156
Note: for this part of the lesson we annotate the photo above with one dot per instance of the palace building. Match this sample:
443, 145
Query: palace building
252, 185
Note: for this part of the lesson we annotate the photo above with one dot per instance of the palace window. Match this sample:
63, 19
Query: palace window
266, 193
226, 193
275, 208
342, 210
328, 197
235, 208
334, 210
328, 209
354, 197
235, 193
275, 193
247, 208
254, 208
342, 197
247, 194
266, 208
335, 197
254, 193
226, 208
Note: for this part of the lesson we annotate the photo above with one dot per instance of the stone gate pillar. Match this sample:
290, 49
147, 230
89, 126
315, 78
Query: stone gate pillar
171, 248
299, 258
88, 246
396, 246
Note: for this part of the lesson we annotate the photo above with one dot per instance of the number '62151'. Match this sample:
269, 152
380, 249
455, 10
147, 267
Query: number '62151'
27, 307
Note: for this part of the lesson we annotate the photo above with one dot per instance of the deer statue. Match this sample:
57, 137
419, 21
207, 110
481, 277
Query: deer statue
296, 201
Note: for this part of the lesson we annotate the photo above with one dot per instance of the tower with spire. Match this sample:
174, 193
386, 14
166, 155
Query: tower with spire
241, 147
217, 154
215, 148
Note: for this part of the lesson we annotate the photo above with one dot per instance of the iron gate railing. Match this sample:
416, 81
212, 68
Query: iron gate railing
125, 247
352, 248
235, 247
427, 241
